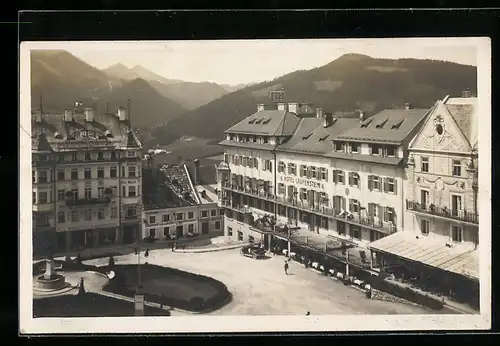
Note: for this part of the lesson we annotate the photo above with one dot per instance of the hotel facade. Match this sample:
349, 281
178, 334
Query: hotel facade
339, 177
86, 180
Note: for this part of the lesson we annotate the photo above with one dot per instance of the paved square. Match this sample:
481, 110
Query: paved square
260, 287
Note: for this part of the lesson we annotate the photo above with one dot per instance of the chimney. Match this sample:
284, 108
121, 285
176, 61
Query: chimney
361, 116
196, 171
122, 114
407, 106
89, 115
68, 115
466, 93
327, 120
319, 112
281, 106
293, 107
261, 107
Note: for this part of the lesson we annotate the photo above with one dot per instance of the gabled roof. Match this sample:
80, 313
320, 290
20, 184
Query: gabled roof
267, 122
40, 144
388, 126
463, 111
132, 141
312, 137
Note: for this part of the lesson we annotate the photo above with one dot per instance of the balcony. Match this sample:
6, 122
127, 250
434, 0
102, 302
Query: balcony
87, 202
317, 208
443, 212
236, 207
131, 217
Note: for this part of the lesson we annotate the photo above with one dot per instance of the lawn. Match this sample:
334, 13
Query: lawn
169, 286
88, 305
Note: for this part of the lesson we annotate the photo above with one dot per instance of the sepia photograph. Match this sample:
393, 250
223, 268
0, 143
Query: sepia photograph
255, 185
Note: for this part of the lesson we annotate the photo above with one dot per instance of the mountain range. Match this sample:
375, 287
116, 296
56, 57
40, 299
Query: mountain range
167, 109
349, 83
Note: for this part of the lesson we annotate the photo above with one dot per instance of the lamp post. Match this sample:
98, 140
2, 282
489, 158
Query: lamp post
139, 297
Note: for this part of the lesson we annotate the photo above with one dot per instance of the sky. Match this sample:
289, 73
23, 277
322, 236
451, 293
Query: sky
249, 61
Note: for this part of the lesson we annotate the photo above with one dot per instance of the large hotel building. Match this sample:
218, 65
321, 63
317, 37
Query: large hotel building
86, 175
397, 189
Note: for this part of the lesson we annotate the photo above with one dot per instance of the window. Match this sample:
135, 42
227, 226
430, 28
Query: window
130, 153
323, 174
61, 174
190, 215
457, 168
354, 206
355, 232
268, 165
230, 231
33, 176
166, 231
281, 167
213, 212
114, 212
190, 228
100, 214
354, 179
391, 151
87, 173
74, 216
256, 163
266, 140
100, 155
303, 194
114, 190
152, 219
42, 197
389, 215
74, 156
217, 224
88, 214
61, 195
74, 173
179, 216
131, 171
221, 212
152, 232
42, 220
204, 213
355, 148
42, 176
338, 176
373, 183
61, 217
292, 169
123, 171
314, 172
390, 185
100, 172
131, 211
74, 193
166, 218
244, 161
425, 164
132, 191
100, 192
112, 172
376, 149
88, 193
303, 170
339, 146
456, 234
113, 155
87, 156
372, 210
60, 157
281, 189
34, 197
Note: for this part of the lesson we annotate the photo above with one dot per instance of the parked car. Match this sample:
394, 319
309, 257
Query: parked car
253, 251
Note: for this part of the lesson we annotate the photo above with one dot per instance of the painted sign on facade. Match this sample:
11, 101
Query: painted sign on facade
302, 181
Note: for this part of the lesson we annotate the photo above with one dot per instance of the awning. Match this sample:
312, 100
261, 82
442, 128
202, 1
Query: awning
431, 252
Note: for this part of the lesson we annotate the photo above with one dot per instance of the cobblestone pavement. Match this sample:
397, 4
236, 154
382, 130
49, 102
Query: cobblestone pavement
260, 287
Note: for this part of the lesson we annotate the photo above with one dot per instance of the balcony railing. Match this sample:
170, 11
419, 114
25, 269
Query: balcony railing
317, 208
454, 214
131, 217
237, 207
87, 201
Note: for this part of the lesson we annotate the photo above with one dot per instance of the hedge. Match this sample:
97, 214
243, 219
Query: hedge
195, 304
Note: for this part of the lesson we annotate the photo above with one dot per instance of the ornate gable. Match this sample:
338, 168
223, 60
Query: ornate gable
441, 133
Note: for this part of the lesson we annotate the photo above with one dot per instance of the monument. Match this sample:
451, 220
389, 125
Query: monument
50, 280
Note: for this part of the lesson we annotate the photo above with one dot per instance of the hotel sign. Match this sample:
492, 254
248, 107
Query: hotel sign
302, 181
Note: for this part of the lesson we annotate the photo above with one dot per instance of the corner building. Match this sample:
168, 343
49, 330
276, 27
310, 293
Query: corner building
86, 180
339, 177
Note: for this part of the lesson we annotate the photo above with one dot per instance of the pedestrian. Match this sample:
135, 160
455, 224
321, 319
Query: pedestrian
286, 267
146, 254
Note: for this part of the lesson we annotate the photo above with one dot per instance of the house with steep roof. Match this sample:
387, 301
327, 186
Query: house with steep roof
86, 179
441, 220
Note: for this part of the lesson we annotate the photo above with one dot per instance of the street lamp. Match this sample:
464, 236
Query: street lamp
139, 297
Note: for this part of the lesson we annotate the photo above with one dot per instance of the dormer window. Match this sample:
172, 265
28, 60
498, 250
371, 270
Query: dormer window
381, 124
339, 146
377, 149
251, 121
391, 151
266, 121
266, 140
355, 148
322, 139
57, 135
367, 122
307, 137
258, 121
108, 134
397, 125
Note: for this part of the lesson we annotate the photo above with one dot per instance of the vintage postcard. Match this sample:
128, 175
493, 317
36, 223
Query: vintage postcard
255, 185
